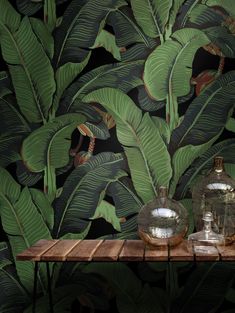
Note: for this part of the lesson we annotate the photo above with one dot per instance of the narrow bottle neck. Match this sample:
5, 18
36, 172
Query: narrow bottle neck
218, 165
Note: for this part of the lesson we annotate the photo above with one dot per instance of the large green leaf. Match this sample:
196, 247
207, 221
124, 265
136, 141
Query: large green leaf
11, 291
81, 192
9, 149
5, 83
12, 121
8, 186
225, 148
172, 62
24, 226
49, 145
152, 16
186, 12
43, 35
9, 16
123, 76
228, 5
207, 114
205, 289
43, 206
107, 40
224, 40
203, 16
79, 29
31, 72
135, 52
147, 154
125, 198
29, 7
183, 158
106, 211
126, 30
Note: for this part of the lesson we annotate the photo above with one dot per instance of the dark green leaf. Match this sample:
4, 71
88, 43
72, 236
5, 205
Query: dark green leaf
207, 114
81, 192
122, 76
31, 72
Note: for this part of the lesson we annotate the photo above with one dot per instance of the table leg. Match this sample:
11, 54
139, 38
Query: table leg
49, 288
35, 287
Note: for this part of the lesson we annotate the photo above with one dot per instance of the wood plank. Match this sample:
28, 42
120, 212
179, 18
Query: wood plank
34, 252
132, 250
60, 250
156, 253
182, 252
201, 254
227, 253
85, 250
108, 251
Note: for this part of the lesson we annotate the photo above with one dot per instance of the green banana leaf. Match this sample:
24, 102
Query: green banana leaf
183, 158
230, 169
223, 39
43, 35
29, 7
106, 211
11, 291
12, 121
203, 16
140, 299
49, 145
79, 29
230, 125
97, 130
23, 225
147, 154
207, 115
81, 192
227, 5
147, 103
5, 82
125, 198
135, 53
27, 178
43, 206
152, 16
124, 76
172, 63
186, 12
126, 29
8, 186
224, 148
9, 149
205, 289
107, 40
30, 70
9, 16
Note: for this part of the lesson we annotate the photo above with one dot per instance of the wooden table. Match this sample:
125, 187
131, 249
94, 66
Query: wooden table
112, 251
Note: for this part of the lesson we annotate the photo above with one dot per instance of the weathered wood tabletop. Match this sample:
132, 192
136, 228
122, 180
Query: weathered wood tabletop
118, 250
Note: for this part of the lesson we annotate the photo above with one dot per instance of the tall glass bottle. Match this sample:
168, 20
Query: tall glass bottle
163, 221
216, 193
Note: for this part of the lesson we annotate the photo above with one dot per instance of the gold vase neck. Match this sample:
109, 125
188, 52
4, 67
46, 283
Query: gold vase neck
218, 164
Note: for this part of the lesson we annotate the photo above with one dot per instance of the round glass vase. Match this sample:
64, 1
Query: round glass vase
163, 221
216, 193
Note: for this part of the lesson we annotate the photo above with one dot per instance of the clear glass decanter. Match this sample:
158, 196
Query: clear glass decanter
217, 189
163, 221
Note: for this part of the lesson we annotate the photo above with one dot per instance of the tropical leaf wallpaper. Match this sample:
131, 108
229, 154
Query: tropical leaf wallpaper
85, 138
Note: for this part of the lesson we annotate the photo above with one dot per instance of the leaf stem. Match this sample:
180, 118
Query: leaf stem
50, 14
172, 116
50, 182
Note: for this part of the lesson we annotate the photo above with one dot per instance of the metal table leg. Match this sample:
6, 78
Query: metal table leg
49, 288
35, 287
